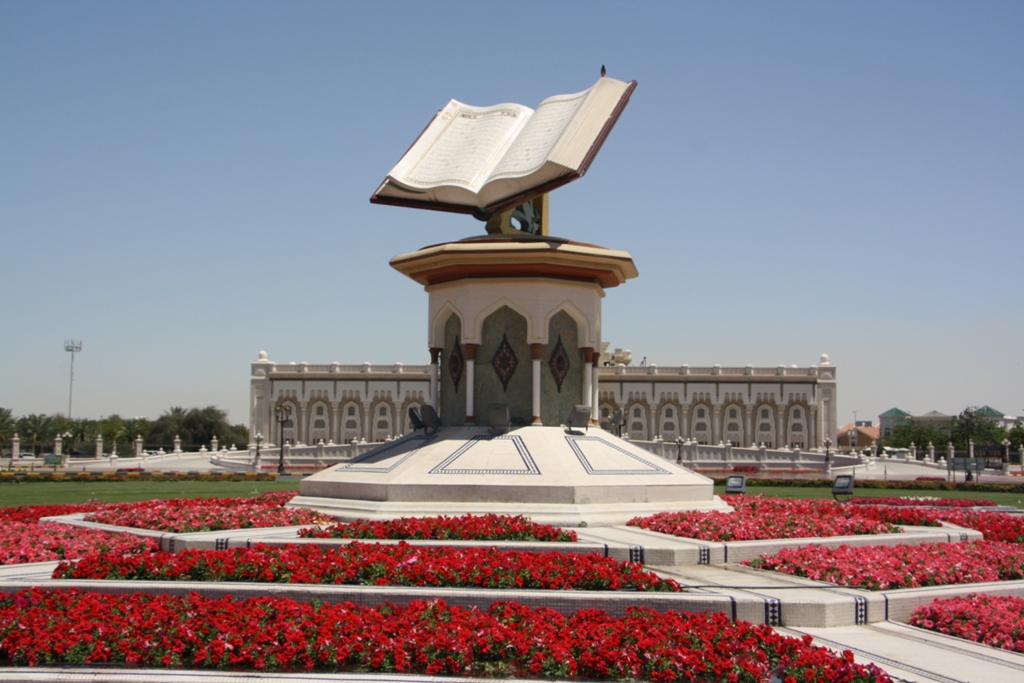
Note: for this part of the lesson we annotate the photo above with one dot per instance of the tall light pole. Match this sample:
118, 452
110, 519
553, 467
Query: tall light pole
74, 347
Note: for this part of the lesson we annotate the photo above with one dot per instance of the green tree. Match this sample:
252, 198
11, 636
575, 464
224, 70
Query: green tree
918, 433
196, 427
83, 431
968, 425
36, 430
137, 426
8, 425
112, 431
1016, 434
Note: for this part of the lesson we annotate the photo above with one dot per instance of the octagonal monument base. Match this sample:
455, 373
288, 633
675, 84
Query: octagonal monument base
545, 473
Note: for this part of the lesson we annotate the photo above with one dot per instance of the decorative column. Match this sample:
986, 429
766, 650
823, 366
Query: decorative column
536, 350
750, 426
595, 406
815, 439
435, 374
138, 445
99, 446
716, 423
588, 385
470, 381
213, 444
781, 437
300, 433
15, 447
177, 443
335, 436
58, 444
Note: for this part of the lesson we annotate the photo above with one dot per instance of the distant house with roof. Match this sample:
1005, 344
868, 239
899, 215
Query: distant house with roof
856, 435
891, 418
894, 416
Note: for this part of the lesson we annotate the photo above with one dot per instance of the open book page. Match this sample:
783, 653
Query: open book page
538, 136
596, 111
461, 146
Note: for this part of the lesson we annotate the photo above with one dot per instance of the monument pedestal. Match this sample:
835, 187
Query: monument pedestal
515, 321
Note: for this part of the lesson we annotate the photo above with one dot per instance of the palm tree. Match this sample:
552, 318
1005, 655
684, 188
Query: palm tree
80, 429
38, 429
7, 424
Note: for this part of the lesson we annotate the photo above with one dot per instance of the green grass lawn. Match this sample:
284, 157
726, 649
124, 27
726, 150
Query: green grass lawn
56, 492
1014, 499
40, 493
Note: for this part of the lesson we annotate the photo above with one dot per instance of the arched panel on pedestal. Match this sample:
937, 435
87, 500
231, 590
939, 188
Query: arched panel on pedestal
453, 374
503, 372
561, 370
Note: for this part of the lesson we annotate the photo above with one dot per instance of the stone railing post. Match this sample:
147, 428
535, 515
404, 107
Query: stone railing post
913, 451
15, 448
177, 444
138, 445
99, 446
931, 452
213, 445
320, 453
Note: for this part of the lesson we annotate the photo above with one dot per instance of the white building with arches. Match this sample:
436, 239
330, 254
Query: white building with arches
744, 406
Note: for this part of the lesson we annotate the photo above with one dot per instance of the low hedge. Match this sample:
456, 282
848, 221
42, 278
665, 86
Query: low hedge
132, 476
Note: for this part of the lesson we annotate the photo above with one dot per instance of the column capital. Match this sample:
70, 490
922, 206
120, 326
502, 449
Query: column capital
537, 350
435, 354
470, 351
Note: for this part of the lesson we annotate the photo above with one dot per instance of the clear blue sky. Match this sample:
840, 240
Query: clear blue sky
183, 184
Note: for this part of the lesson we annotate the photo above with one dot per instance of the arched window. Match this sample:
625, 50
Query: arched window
318, 425
350, 426
732, 413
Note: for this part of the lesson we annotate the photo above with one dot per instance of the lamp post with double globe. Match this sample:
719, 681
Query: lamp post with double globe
284, 414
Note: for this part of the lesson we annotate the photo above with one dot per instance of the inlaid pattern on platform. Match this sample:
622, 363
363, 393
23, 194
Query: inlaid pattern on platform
602, 457
390, 456
504, 454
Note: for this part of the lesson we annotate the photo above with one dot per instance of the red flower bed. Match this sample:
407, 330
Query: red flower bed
375, 564
760, 517
996, 526
185, 515
488, 527
925, 501
30, 514
21, 542
39, 627
24, 539
986, 619
901, 566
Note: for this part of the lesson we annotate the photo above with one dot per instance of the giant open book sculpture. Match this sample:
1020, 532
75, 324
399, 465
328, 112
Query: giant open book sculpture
481, 160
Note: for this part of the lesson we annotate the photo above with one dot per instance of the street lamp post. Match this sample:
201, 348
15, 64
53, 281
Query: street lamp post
284, 414
73, 347
828, 455
256, 462
679, 450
